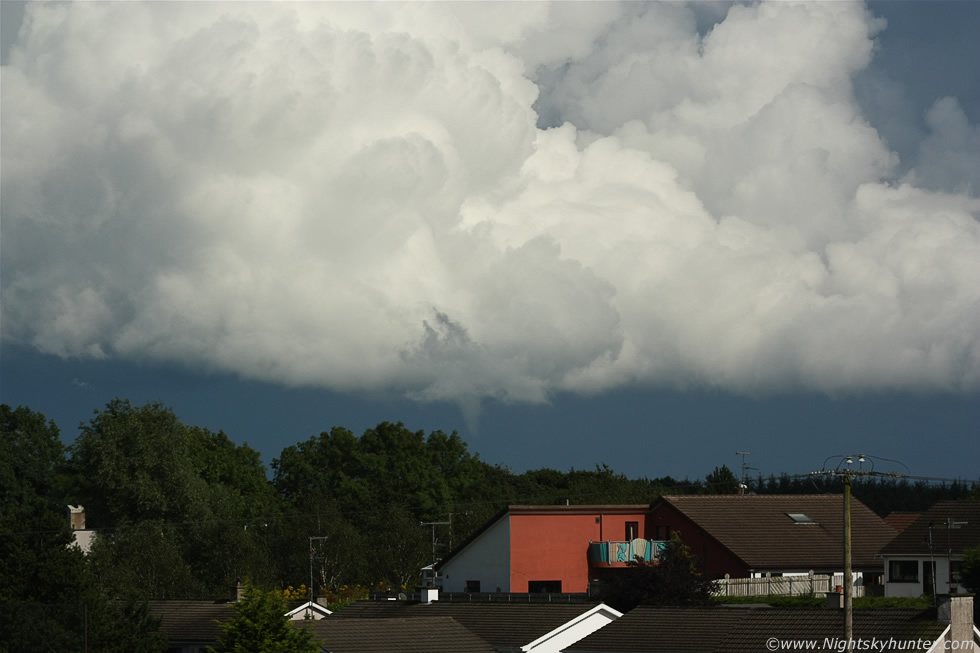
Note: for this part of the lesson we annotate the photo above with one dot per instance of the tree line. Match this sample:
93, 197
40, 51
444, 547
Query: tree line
183, 512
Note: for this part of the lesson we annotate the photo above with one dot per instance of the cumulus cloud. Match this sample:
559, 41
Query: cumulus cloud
949, 157
454, 204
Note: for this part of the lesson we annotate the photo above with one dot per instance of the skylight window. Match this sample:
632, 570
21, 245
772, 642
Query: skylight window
801, 518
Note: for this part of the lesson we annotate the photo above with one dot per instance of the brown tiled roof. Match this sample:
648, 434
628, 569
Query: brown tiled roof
191, 621
914, 540
648, 629
435, 634
500, 624
901, 520
757, 529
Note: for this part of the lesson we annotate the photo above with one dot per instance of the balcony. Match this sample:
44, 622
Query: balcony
612, 553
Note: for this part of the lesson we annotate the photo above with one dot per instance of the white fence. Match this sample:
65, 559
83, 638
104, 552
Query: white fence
784, 585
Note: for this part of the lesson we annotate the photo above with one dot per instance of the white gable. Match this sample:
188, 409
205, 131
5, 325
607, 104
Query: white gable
486, 559
313, 610
578, 628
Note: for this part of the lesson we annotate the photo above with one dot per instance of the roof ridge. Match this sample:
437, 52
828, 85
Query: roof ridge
743, 497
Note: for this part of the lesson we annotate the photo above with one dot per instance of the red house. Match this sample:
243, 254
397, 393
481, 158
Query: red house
565, 548
547, 549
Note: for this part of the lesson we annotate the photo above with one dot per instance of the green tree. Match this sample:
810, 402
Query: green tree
386, 465
133, 463
343, 558
970, 569
721, 481
672, 580
327, 465
401, 548
260, 626
196, 500
369, 493
402, 467
51, 599
144, 561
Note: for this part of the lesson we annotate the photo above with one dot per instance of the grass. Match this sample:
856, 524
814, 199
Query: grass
776, 600
917, 602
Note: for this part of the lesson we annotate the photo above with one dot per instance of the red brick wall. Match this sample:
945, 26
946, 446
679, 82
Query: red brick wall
555, 547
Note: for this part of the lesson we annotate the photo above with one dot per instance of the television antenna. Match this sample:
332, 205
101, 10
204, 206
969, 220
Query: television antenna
741, 485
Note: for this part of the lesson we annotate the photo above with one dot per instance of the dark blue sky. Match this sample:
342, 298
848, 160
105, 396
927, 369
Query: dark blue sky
637, 432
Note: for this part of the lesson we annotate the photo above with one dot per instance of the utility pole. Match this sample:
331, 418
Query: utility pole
848, 576
932, 567
847, 474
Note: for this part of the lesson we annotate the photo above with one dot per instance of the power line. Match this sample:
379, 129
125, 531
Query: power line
844, 470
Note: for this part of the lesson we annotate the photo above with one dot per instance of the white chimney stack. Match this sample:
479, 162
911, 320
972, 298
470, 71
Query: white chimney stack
76, 517
428, 595
957, 611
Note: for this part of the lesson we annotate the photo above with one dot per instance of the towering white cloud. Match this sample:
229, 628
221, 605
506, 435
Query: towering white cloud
457, 204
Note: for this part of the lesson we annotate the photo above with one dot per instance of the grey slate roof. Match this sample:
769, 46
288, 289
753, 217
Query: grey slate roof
196, 622
648, 629
913, 541
756, 528
503, 625
881, 624
191, 621
436, 634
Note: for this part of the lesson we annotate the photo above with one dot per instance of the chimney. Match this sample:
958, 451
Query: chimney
76, 517
957, 611
239, 590
428, 595
835, 600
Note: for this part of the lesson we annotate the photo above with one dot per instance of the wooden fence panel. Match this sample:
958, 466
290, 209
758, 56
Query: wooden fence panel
783, 585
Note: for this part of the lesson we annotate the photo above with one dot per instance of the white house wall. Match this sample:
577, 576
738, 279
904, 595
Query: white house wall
486, 559
942, 576
84, 540
918, 588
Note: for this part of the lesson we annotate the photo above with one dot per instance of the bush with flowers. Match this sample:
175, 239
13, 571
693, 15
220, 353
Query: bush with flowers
338, 597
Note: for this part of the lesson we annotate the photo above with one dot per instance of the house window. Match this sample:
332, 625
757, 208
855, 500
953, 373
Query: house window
801, 518
544, 586
903, 571
472, 586
955, 571
663, 533
632, 530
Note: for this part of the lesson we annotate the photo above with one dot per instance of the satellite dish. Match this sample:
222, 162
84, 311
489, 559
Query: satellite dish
402, 597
